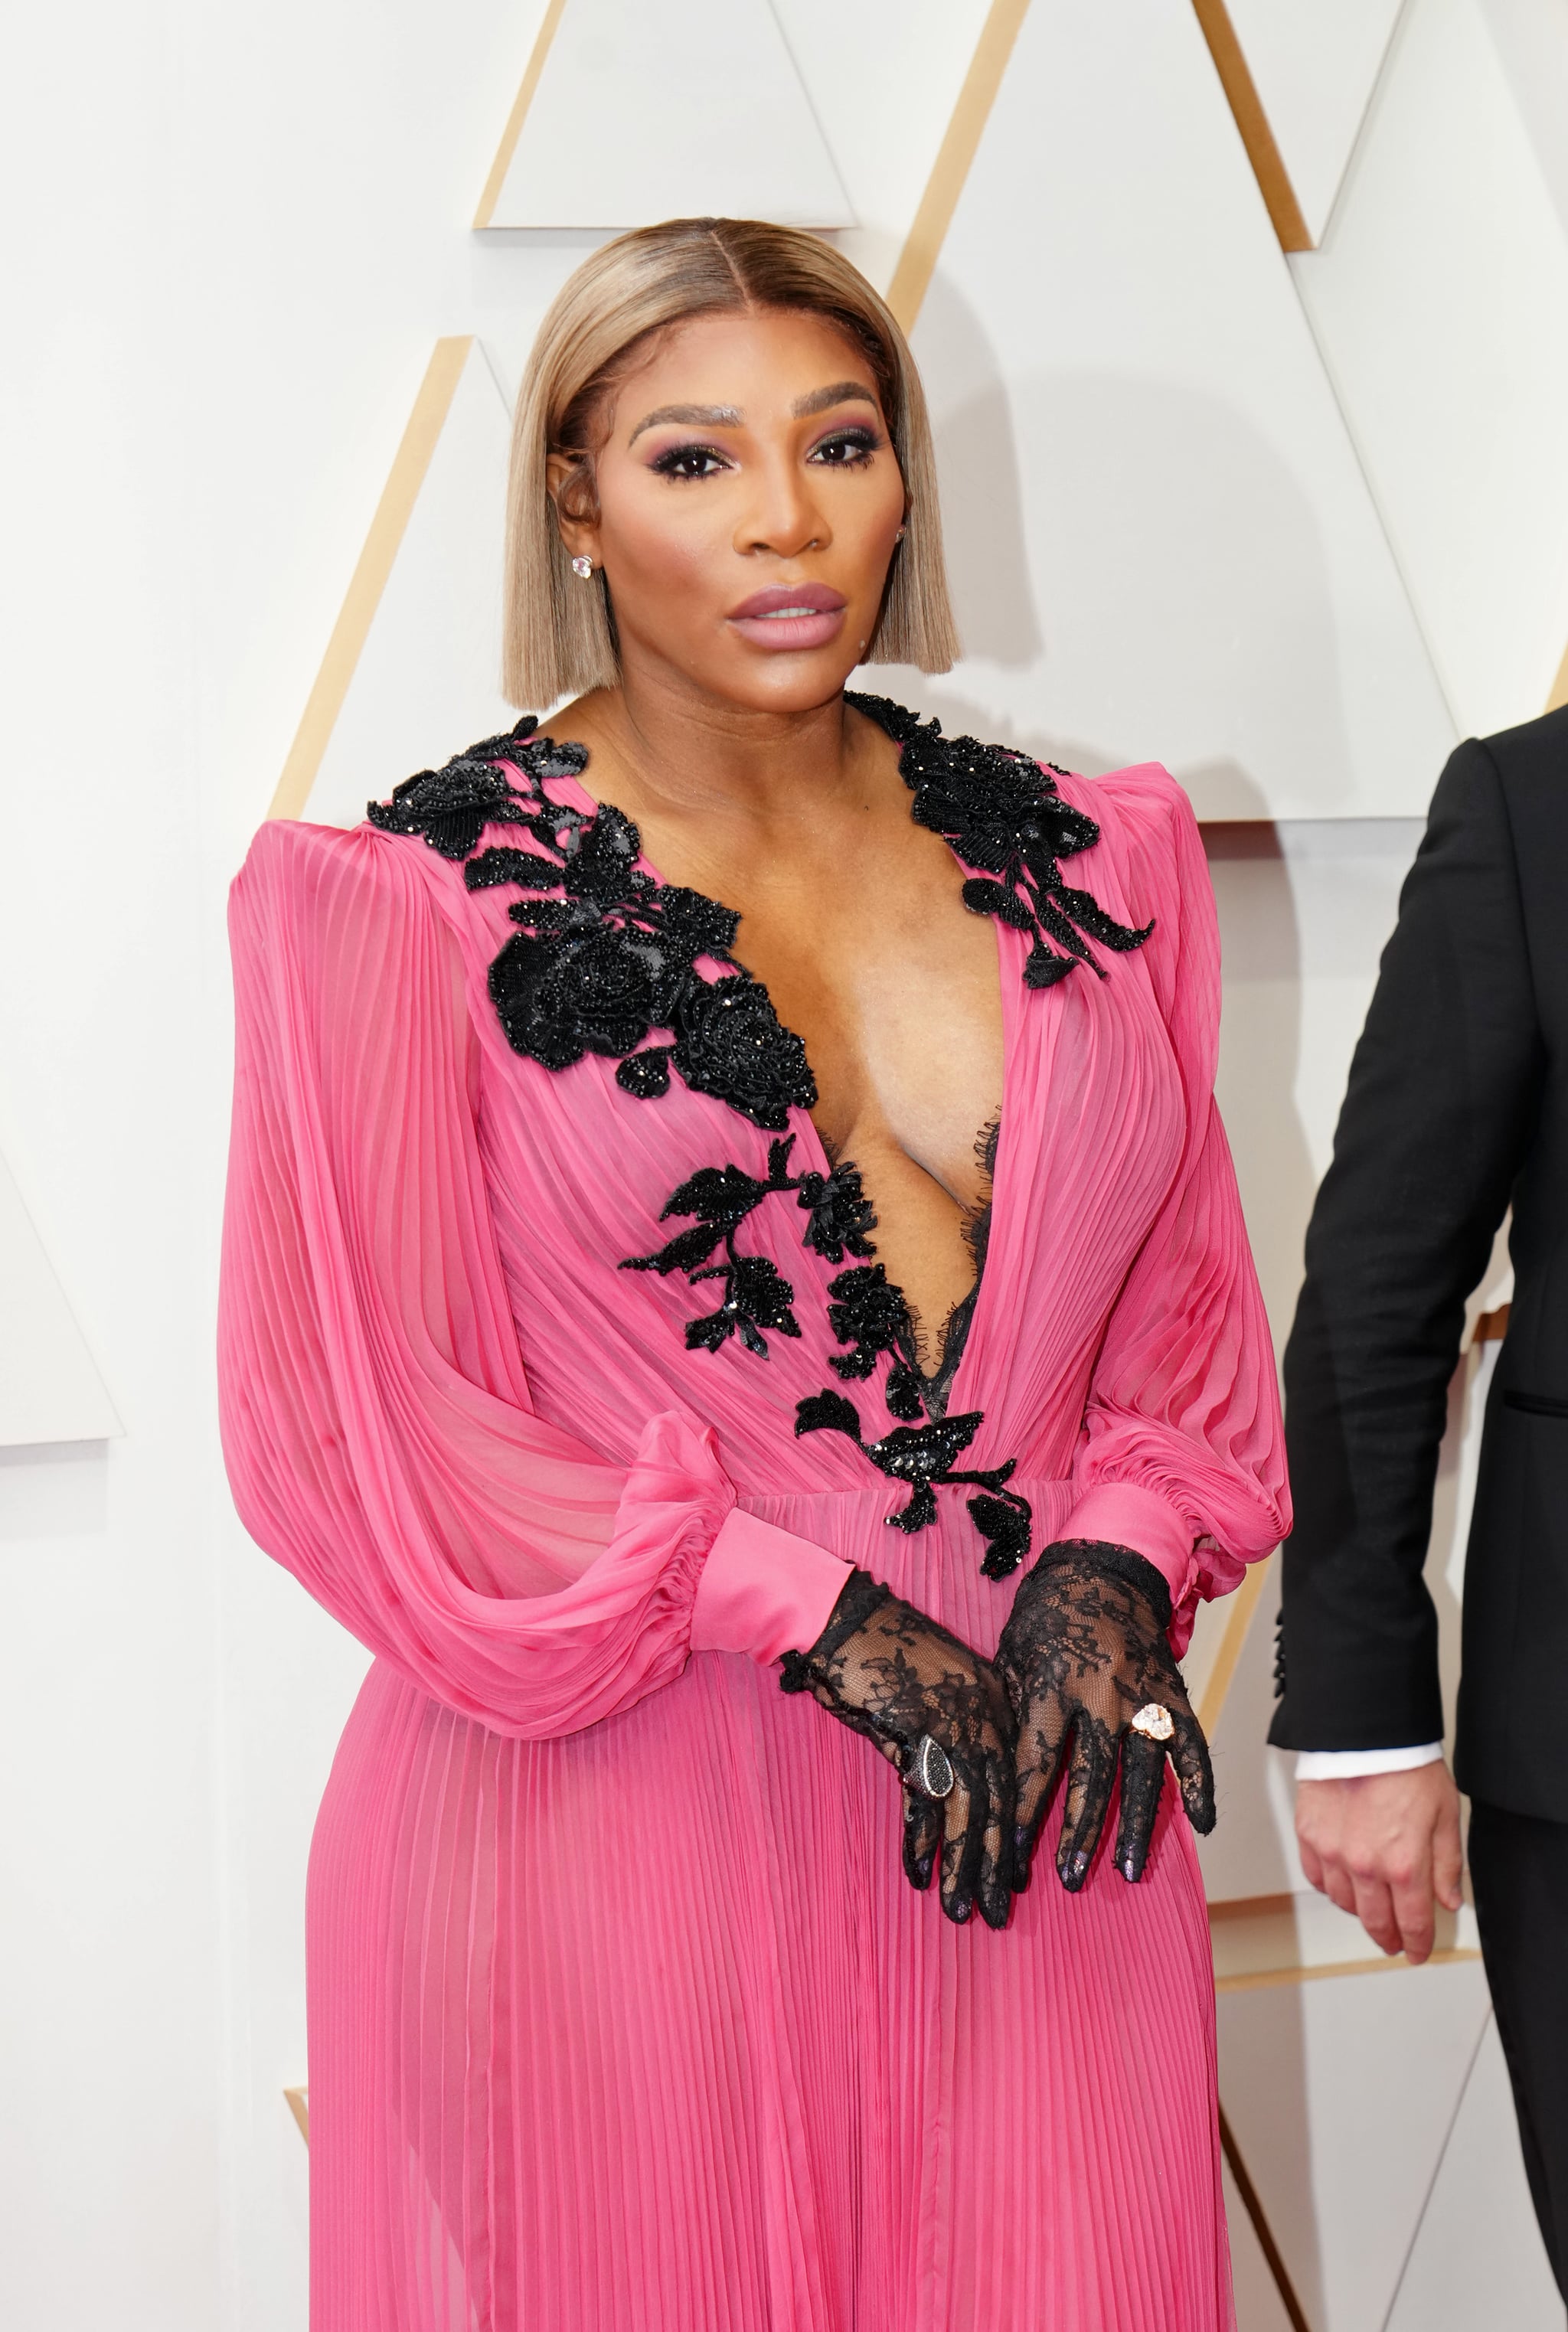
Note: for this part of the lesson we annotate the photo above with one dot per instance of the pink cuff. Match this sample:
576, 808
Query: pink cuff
1127, 1516
763, 1592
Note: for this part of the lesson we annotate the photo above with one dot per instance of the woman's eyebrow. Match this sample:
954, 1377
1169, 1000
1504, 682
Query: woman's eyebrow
729, 416
842, 392
698, 417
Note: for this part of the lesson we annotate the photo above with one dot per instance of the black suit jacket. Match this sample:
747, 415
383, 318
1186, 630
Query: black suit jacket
1457, 1104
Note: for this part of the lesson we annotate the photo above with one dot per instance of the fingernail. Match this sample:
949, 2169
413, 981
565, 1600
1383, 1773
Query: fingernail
1075, 1871
1128, 1867
926, 1865
961, 1908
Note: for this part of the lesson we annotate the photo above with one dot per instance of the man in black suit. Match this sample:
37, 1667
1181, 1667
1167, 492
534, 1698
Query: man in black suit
1458, 1106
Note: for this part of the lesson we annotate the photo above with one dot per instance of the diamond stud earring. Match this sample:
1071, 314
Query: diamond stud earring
900, 535
583, 566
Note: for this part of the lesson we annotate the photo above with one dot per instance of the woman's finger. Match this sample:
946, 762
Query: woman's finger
1194, 1769
1091, 1770
921, 1836
997, 1843
1042, 1737
1142, 1778
963, 1844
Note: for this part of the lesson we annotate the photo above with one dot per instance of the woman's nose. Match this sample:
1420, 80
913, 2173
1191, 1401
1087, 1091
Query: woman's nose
783, 516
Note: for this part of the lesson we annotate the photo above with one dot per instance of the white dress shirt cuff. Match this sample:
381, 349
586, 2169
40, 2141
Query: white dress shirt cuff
1350, 1764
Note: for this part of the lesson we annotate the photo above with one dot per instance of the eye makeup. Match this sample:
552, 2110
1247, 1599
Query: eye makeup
844, 448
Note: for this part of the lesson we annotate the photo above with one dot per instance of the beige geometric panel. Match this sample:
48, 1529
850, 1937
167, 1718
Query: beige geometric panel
1440, 304
1161, 543
630, 113
417, 677
1260, 2303
883, 78
1340, 2096
299, 2104
1478, 2260
1314, 70
50, 1388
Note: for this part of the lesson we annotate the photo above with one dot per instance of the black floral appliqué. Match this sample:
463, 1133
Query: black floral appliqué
1001, 812
921, 1455
604, 957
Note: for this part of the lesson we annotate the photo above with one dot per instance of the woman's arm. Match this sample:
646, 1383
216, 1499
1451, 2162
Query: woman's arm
375, 1415
1183, 1454
1180, 1471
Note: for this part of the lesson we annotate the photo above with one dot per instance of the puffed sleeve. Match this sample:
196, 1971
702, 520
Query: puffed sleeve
377, 1424
1181, 1454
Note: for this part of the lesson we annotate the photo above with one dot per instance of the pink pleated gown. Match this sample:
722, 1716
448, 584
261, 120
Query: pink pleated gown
623, 2017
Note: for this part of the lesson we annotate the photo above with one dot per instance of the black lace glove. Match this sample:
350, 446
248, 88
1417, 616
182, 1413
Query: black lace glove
1082, 1651
885, 1669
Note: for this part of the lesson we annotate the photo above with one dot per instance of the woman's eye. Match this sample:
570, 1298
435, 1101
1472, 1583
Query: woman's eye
846, 448
690, 462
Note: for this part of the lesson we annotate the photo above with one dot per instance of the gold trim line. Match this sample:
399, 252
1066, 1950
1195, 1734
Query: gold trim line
1246, 105
393, 512
519, 114
1253, 2203
960, 142
1237, 1621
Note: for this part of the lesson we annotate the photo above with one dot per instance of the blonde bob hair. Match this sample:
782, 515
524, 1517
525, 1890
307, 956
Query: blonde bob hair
559, 636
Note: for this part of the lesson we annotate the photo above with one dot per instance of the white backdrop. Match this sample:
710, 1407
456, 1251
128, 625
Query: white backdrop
1291, 526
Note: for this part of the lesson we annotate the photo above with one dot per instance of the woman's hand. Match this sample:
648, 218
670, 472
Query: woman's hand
1082, 1654
885, 1669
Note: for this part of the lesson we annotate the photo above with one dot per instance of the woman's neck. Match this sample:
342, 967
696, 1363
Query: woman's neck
667, 755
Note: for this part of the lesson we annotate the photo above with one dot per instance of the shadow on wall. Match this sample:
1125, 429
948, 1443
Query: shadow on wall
1137, 575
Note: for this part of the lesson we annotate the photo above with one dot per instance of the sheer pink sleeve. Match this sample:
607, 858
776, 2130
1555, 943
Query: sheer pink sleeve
1182, 1451
376, 1416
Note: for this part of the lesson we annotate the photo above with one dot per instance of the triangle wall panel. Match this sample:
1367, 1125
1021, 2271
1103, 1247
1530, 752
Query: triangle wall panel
694, 107
1477, 2257
1314, 70
426, 680
50, 1388
1440, 304
1162, 543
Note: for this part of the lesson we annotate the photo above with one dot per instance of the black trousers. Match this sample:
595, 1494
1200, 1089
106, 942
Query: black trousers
1519, 1871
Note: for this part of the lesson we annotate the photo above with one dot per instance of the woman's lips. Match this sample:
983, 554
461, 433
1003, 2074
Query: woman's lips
791, 615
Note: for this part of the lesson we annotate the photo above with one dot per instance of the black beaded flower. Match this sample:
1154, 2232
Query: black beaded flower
604, 956
731, 1043
842, 1216
451, 807
756, 1296
921, 1455
1001, 812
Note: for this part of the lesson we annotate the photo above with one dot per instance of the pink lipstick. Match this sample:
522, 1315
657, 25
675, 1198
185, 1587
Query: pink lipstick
791, 615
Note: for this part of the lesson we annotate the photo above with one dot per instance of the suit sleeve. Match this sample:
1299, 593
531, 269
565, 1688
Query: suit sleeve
1441, 1103
378, 1427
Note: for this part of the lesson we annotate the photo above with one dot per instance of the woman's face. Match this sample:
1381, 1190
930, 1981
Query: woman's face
749, 504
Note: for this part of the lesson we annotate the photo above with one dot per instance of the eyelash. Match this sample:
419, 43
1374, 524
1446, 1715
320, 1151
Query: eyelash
861, 442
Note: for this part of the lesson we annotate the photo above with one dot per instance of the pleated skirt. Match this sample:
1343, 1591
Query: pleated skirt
643, 2030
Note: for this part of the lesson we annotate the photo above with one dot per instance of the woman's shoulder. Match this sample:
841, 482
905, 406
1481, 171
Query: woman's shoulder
1143, 805
300, 869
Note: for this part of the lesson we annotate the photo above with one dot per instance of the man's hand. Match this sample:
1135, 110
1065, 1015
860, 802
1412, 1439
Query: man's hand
1384, 1846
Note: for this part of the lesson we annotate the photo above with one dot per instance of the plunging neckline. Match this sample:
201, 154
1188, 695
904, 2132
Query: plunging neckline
606, 954
939, 1387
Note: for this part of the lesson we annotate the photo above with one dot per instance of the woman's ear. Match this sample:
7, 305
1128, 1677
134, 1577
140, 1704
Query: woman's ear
569, 480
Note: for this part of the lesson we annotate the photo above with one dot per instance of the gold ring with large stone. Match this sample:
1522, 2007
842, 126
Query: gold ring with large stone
1154, 1722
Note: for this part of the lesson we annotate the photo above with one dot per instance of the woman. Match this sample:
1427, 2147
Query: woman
606, 1267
